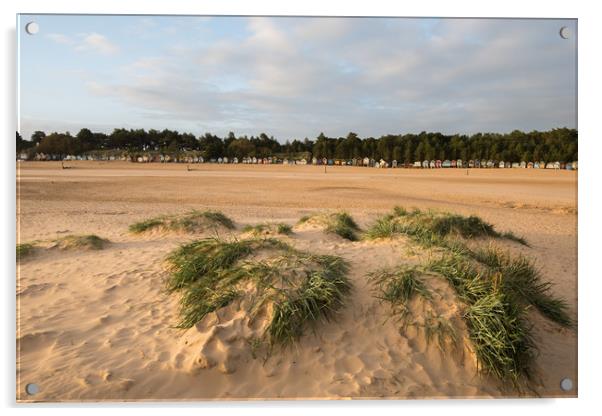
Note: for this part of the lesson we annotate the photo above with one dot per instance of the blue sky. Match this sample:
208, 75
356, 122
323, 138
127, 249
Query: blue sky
295, 77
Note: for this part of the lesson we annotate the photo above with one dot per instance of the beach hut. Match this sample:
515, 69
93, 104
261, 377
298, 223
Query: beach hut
569, 166
502, 165
471, 163
556, 165
330, 162
383, 164
489, 163
562, 166
366, 161
314, 160
425, 163
459, 163
235, 160
575, 165
254, 160
438, 163
550, 165
303, 162
432, 164
536, 165
454, 163
523, 164
446, 164
417, 164
394, 163
530, 165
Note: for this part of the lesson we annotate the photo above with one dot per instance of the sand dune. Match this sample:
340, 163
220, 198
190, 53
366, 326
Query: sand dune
97, 324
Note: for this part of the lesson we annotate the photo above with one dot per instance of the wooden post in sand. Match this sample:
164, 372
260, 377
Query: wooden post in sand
324, 168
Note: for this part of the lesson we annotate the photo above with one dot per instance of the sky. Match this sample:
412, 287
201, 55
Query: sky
294, 77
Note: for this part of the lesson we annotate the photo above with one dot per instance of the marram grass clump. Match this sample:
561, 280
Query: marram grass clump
25, 250
83, 242
268, 229
398, 287
339, 223
433, 228
298, 290
191, 222
522, 279
498, 291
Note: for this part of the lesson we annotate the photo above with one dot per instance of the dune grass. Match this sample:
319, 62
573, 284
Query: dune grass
441, 329
339, 223
300, 289
343, 225
522, 279
267, 228
24, 250
86, 242
498, 291
399, 285
191, 222
434, 228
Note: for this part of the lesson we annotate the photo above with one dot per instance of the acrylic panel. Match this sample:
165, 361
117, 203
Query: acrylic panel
256, 207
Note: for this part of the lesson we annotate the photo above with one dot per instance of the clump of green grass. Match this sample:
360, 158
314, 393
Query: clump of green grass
498, 291
317, 299
24, 250
339, 223
384, 227
441, 329
285, 229
501, 337
190, 222
300, 289
145, 225
399, 285
433, 228
87, 242
266, 228
343, 225
304, 219
522, 279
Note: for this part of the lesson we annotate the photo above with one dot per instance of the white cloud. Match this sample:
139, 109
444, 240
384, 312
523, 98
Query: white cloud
298, 76
85, 42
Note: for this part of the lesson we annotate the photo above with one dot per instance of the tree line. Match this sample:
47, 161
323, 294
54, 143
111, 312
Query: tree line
552, 145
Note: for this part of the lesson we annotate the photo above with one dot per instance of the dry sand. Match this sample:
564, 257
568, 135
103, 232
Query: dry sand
95, 325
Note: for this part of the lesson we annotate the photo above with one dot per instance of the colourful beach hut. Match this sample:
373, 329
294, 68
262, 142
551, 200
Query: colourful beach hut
438, 163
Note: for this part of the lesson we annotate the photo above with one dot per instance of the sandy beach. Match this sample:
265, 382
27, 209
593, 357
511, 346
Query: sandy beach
98, 324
